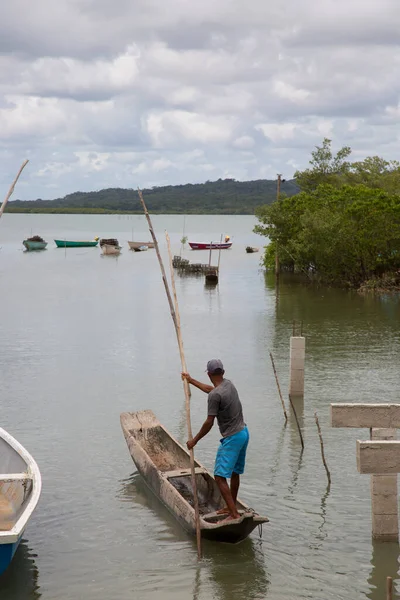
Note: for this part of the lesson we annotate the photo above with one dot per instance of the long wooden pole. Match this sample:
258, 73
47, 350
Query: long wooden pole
10, 191
187, 399
321, 441
176, 321
278, 386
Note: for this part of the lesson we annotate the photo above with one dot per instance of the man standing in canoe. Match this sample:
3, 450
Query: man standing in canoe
224, 403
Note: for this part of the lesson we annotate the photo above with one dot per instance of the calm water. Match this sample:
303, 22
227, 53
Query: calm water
85, 337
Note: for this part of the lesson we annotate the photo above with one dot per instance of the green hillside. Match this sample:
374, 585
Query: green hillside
225, 196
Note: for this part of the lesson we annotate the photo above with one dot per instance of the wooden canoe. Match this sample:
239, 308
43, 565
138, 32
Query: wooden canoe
165, 466
20, 486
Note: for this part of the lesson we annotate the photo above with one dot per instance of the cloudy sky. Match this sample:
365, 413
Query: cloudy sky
127, 93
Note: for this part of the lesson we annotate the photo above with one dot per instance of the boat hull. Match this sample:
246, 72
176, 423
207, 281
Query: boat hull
136, 245
7, 552
73, 244
165, 466
31, 246
20, 487
210, 246
109, 250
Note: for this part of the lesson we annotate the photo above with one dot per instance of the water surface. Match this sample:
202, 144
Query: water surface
85, 337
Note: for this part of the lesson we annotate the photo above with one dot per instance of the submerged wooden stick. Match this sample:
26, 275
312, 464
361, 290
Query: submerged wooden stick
389, 588
297, 421
10, 191
321, 441
278, 386
176, 321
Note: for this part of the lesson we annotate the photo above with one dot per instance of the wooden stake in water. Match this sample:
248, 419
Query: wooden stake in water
176, 320
278, 386
321, 441
389, 588
10, 191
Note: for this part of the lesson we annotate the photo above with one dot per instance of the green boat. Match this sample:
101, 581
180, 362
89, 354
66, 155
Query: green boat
74, 244
34, 244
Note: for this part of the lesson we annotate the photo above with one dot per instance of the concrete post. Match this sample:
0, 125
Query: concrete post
380, 460
297, 359
385, 517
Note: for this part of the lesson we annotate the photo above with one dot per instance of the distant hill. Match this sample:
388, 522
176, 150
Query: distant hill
225, 196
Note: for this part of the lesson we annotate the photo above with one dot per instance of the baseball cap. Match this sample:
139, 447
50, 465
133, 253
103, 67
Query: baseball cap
214, 365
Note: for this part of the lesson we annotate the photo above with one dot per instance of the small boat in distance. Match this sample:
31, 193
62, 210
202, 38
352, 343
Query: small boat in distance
20, 486
136, 245
34, 243
210, 245
76, 244
111, 250
250, 249
110, 247
165, 466
141, 249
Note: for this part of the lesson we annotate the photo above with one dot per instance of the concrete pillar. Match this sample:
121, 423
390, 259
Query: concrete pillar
297, 359
385, 518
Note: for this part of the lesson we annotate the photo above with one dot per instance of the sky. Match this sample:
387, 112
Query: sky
128, 93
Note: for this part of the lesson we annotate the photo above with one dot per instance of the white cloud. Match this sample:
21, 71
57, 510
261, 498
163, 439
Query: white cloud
277, 132
171, 126
244, 142
99, 94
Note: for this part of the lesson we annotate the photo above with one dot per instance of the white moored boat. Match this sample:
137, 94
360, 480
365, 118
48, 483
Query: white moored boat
138, 245
20, 486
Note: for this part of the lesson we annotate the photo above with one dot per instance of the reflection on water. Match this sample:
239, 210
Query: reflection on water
277, 454
20, 581
385, 563
110, 347
134, 489
237, 571
231, 570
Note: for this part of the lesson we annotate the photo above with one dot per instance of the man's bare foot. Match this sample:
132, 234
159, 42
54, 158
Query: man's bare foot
230, 518
223, 511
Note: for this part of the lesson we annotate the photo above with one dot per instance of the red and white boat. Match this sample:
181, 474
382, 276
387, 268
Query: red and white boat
222, 245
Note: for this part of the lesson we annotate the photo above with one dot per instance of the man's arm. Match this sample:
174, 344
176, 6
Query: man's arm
201, 386
205, 428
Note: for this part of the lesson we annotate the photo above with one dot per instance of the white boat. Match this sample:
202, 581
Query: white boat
136, 245
20, 487
109, 249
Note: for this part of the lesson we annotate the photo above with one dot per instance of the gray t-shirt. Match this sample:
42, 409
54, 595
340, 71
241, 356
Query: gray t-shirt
224, 403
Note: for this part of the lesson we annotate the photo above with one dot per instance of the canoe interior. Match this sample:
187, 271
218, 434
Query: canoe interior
165, 466
15, 486
168, 456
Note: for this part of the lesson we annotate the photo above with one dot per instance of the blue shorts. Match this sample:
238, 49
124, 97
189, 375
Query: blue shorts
231, 455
